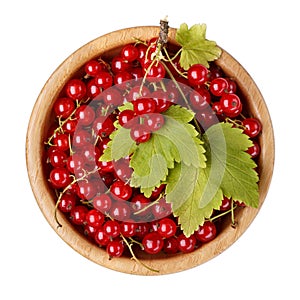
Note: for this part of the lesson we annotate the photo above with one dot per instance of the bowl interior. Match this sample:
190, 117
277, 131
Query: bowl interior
107, 46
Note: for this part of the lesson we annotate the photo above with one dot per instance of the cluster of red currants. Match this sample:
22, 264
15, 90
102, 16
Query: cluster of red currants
96, 195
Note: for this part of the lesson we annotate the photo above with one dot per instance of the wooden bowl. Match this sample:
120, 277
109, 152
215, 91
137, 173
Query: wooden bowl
107, 45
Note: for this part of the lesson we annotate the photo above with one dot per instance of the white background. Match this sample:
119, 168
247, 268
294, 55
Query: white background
36, 36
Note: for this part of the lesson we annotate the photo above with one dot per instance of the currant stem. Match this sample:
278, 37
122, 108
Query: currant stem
149, 205
182, 94
61, 123
233, 223
170, 60
225, 213
163, 33
145, 76
129, 246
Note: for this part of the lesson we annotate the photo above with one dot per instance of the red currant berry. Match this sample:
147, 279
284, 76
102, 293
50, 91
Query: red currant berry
199, 99
252, 127
89, 230
144, 106
78, 214
93, 89
161, 209
122, 80
120, 210
215, 72
115, 248
94, 218
101, 237
206, 233
57, 158
85, 115
75, 89
93, 67
102, 203
141, 230
129, 52
157, 192
75, 163
106, 166
166, 227
61, 141
186, 244
128, 229
206, 118
226, 204
112, 228
216, 107
87, 190
154, 121
104, 80
59, 178
122, 170
170, 245
103, 126
127, 118
218, 86
154, 71
119, 64
63, 107
103, 144
136, 72
231, 105
152, 243
163, 102
81, 138
142, 50
112, 97
120, 190
231, 86
254, 150
136, 93
152, 45
70, 126
197, 74
138, 203
91, 154
140, 133
67, 202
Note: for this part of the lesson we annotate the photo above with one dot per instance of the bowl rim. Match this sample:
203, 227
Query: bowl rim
43, 195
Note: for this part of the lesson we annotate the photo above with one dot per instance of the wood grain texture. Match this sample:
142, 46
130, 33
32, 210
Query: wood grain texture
38, 125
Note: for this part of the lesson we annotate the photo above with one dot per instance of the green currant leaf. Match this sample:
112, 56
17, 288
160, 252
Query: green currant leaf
196, 192
235, 166
196, 49
185, 195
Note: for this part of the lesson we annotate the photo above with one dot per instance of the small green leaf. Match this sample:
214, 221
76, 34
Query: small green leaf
196, 49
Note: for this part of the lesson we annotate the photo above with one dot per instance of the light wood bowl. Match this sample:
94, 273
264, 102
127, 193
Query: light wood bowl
107, 45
